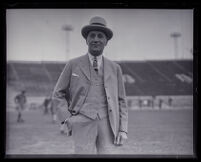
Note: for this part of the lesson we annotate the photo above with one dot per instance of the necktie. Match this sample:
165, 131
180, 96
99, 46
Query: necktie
95, 64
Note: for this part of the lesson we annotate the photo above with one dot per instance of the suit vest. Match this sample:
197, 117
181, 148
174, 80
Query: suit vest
95, 104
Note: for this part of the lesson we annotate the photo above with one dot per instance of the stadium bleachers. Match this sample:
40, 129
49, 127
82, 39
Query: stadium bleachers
159, 77
148, 78
54, 70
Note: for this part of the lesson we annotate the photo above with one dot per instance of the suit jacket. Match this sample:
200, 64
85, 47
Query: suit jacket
73, 85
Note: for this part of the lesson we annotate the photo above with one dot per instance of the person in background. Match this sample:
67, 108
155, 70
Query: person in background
20, 101
160, 103
170, 101
153, 101
140, 103
45, 105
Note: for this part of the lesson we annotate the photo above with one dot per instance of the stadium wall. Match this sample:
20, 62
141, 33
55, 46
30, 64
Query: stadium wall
145, 81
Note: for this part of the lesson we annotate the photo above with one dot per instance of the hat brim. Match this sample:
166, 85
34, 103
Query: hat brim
88, 28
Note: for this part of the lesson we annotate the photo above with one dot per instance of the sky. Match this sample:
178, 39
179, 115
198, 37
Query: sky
139, 34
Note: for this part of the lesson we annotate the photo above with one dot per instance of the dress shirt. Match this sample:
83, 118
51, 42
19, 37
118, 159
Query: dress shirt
99, 60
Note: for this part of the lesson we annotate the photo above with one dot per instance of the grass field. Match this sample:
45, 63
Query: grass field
158, 132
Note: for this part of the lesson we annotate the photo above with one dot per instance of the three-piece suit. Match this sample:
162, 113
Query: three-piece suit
96, 102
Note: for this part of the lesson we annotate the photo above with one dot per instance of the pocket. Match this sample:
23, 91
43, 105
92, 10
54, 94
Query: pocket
79, 119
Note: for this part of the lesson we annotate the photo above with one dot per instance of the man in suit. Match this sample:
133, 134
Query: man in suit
92, 88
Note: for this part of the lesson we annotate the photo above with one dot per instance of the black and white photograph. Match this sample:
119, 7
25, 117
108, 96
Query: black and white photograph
99, 82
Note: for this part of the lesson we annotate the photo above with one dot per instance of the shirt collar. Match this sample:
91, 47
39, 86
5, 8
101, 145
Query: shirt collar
99, 59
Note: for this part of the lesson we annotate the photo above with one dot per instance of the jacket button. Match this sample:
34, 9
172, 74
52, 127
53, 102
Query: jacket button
110, 110
73, 112
108, 98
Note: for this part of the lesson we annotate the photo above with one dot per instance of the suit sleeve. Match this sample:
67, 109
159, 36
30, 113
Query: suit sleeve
123, 123
61, 93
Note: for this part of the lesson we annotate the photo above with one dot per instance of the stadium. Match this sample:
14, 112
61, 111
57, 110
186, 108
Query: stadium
144, 81
157, 65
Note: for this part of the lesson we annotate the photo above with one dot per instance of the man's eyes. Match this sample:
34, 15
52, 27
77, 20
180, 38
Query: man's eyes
94, 35
100, 36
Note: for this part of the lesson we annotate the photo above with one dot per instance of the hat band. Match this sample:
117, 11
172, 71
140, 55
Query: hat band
98, 24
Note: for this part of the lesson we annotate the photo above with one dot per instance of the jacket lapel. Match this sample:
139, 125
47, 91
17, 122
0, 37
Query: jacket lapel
84, 66
107, 69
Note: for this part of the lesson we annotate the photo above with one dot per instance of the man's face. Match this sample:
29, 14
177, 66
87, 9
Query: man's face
96, 41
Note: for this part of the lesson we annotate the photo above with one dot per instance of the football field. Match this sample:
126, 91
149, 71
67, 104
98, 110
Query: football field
150, 132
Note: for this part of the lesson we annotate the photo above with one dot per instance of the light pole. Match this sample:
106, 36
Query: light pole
175, 36
67, 29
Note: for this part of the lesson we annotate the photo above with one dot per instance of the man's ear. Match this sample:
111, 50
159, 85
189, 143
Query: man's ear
86, 42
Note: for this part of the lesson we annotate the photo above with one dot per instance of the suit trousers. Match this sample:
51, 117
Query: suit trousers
92, 136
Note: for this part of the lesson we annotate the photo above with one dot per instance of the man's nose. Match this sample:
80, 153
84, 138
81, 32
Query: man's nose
96, 38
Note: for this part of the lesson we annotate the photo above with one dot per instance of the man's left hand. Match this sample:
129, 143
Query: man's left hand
121, 137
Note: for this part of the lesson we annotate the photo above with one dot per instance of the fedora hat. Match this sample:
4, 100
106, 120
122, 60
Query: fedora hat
98, 24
